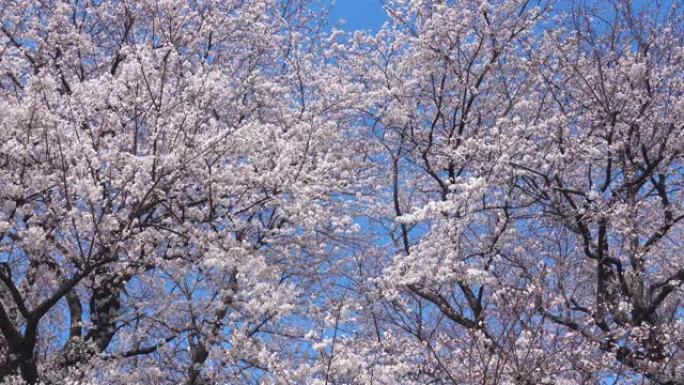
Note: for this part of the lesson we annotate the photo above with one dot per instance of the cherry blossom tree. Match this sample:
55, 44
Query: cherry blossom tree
533, 195
171, 180
224, 192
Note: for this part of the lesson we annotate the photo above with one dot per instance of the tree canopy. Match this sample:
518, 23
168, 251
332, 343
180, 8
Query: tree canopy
210, 192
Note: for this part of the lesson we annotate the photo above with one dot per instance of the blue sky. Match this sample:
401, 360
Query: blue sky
358, 14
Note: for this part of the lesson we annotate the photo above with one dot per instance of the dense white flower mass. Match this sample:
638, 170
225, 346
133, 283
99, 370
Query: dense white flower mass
223, 192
